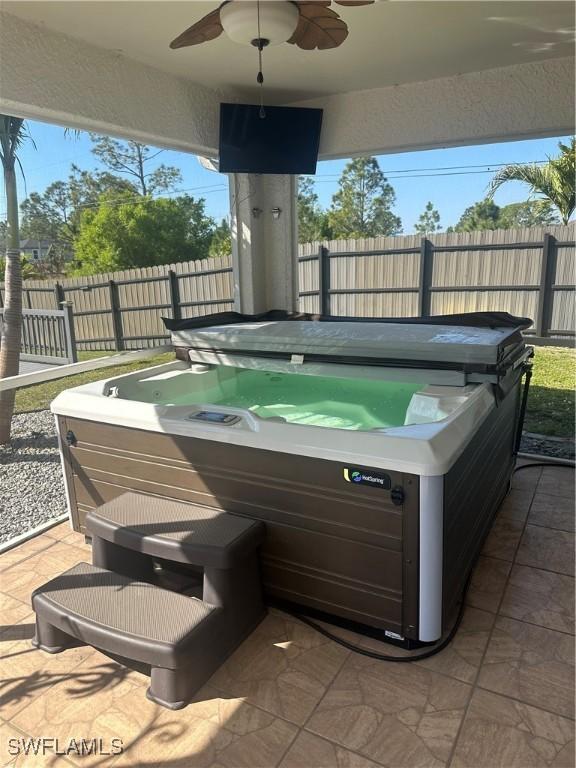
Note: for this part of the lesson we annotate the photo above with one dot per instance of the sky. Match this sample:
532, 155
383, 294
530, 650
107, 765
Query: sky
451, 178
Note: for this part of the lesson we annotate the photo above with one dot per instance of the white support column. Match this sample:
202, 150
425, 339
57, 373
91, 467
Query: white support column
264, 242
431, 557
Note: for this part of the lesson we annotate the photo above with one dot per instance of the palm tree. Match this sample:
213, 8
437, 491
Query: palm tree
12, 135
553, 181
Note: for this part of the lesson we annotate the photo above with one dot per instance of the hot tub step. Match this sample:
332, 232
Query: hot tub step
113, 605
171, 530
182, 639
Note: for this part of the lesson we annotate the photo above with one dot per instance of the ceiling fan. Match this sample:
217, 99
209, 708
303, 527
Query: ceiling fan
309, 24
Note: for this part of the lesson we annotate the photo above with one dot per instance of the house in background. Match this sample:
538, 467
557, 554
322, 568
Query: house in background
36, 250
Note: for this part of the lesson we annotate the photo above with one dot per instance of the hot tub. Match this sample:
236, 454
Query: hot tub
376, 453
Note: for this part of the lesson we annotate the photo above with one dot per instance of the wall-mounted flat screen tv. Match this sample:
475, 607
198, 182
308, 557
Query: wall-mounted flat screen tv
285, 140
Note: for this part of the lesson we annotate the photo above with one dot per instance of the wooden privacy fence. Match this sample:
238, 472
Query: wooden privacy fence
48, 335
528, 272
122, 310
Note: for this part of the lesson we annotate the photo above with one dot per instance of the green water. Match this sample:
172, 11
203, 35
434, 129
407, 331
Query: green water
322, 401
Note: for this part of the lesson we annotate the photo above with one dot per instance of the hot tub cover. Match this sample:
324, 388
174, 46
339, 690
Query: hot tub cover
475, 319
475, 341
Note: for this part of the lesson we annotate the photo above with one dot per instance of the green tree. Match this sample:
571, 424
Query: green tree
12, 135
362, 207
85, 188
487, 215
221, 242
55, 263
29, 270
530, 213
133, 159
482, 215
429, 221
554, 181
55, 213
123, 233
40, 220
312, 223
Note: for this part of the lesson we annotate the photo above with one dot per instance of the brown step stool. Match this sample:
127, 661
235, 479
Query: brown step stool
112, 604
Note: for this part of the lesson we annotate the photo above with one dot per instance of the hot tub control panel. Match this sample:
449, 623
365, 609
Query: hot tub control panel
215, 417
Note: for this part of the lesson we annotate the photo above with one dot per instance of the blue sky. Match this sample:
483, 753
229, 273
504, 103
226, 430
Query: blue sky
451, 193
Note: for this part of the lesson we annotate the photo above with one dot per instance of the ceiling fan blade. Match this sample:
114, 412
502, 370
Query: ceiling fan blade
354, 2
318, 27
206, 29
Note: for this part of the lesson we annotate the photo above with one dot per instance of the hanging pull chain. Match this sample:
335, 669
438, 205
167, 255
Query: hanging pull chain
260, 76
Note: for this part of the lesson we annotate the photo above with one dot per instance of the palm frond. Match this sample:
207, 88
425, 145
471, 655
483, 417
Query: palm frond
25, 135
23, 176
74, 133
554, 181
12, 136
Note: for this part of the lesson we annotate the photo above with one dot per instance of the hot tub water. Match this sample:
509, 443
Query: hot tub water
324, 401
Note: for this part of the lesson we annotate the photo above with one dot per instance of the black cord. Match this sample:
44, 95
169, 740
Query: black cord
545, 464
527, 370
382, 656
437, 648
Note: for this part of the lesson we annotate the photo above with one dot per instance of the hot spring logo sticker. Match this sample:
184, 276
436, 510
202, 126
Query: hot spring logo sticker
367, 477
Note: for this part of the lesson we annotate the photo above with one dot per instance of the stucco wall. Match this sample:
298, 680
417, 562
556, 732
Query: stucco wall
49, 76
518, 102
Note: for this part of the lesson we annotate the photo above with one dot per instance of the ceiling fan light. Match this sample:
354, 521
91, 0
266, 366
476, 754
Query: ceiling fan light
278, 20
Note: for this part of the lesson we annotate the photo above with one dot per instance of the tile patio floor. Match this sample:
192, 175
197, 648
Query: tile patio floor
500, 695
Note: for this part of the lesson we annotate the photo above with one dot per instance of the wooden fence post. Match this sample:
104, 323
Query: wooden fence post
69, 330
547, 280
174, 289
425, 277
116, 317
59, 295
324, 279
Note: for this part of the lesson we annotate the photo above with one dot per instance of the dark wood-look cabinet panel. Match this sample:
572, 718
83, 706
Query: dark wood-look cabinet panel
321, 508
330, 545
473, 491
332, 596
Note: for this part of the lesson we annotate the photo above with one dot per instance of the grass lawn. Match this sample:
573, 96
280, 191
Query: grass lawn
41, 395
551, 399
550, 404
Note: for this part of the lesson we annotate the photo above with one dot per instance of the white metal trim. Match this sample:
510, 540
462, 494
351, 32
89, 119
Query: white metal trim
61, 371
27, 535
43, 312
431, 557
64, 477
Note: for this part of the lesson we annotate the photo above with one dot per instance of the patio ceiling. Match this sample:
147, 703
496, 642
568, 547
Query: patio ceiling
390, 43
410, 75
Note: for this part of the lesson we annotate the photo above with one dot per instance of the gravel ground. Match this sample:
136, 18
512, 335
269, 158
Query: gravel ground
555, 447
31, 484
